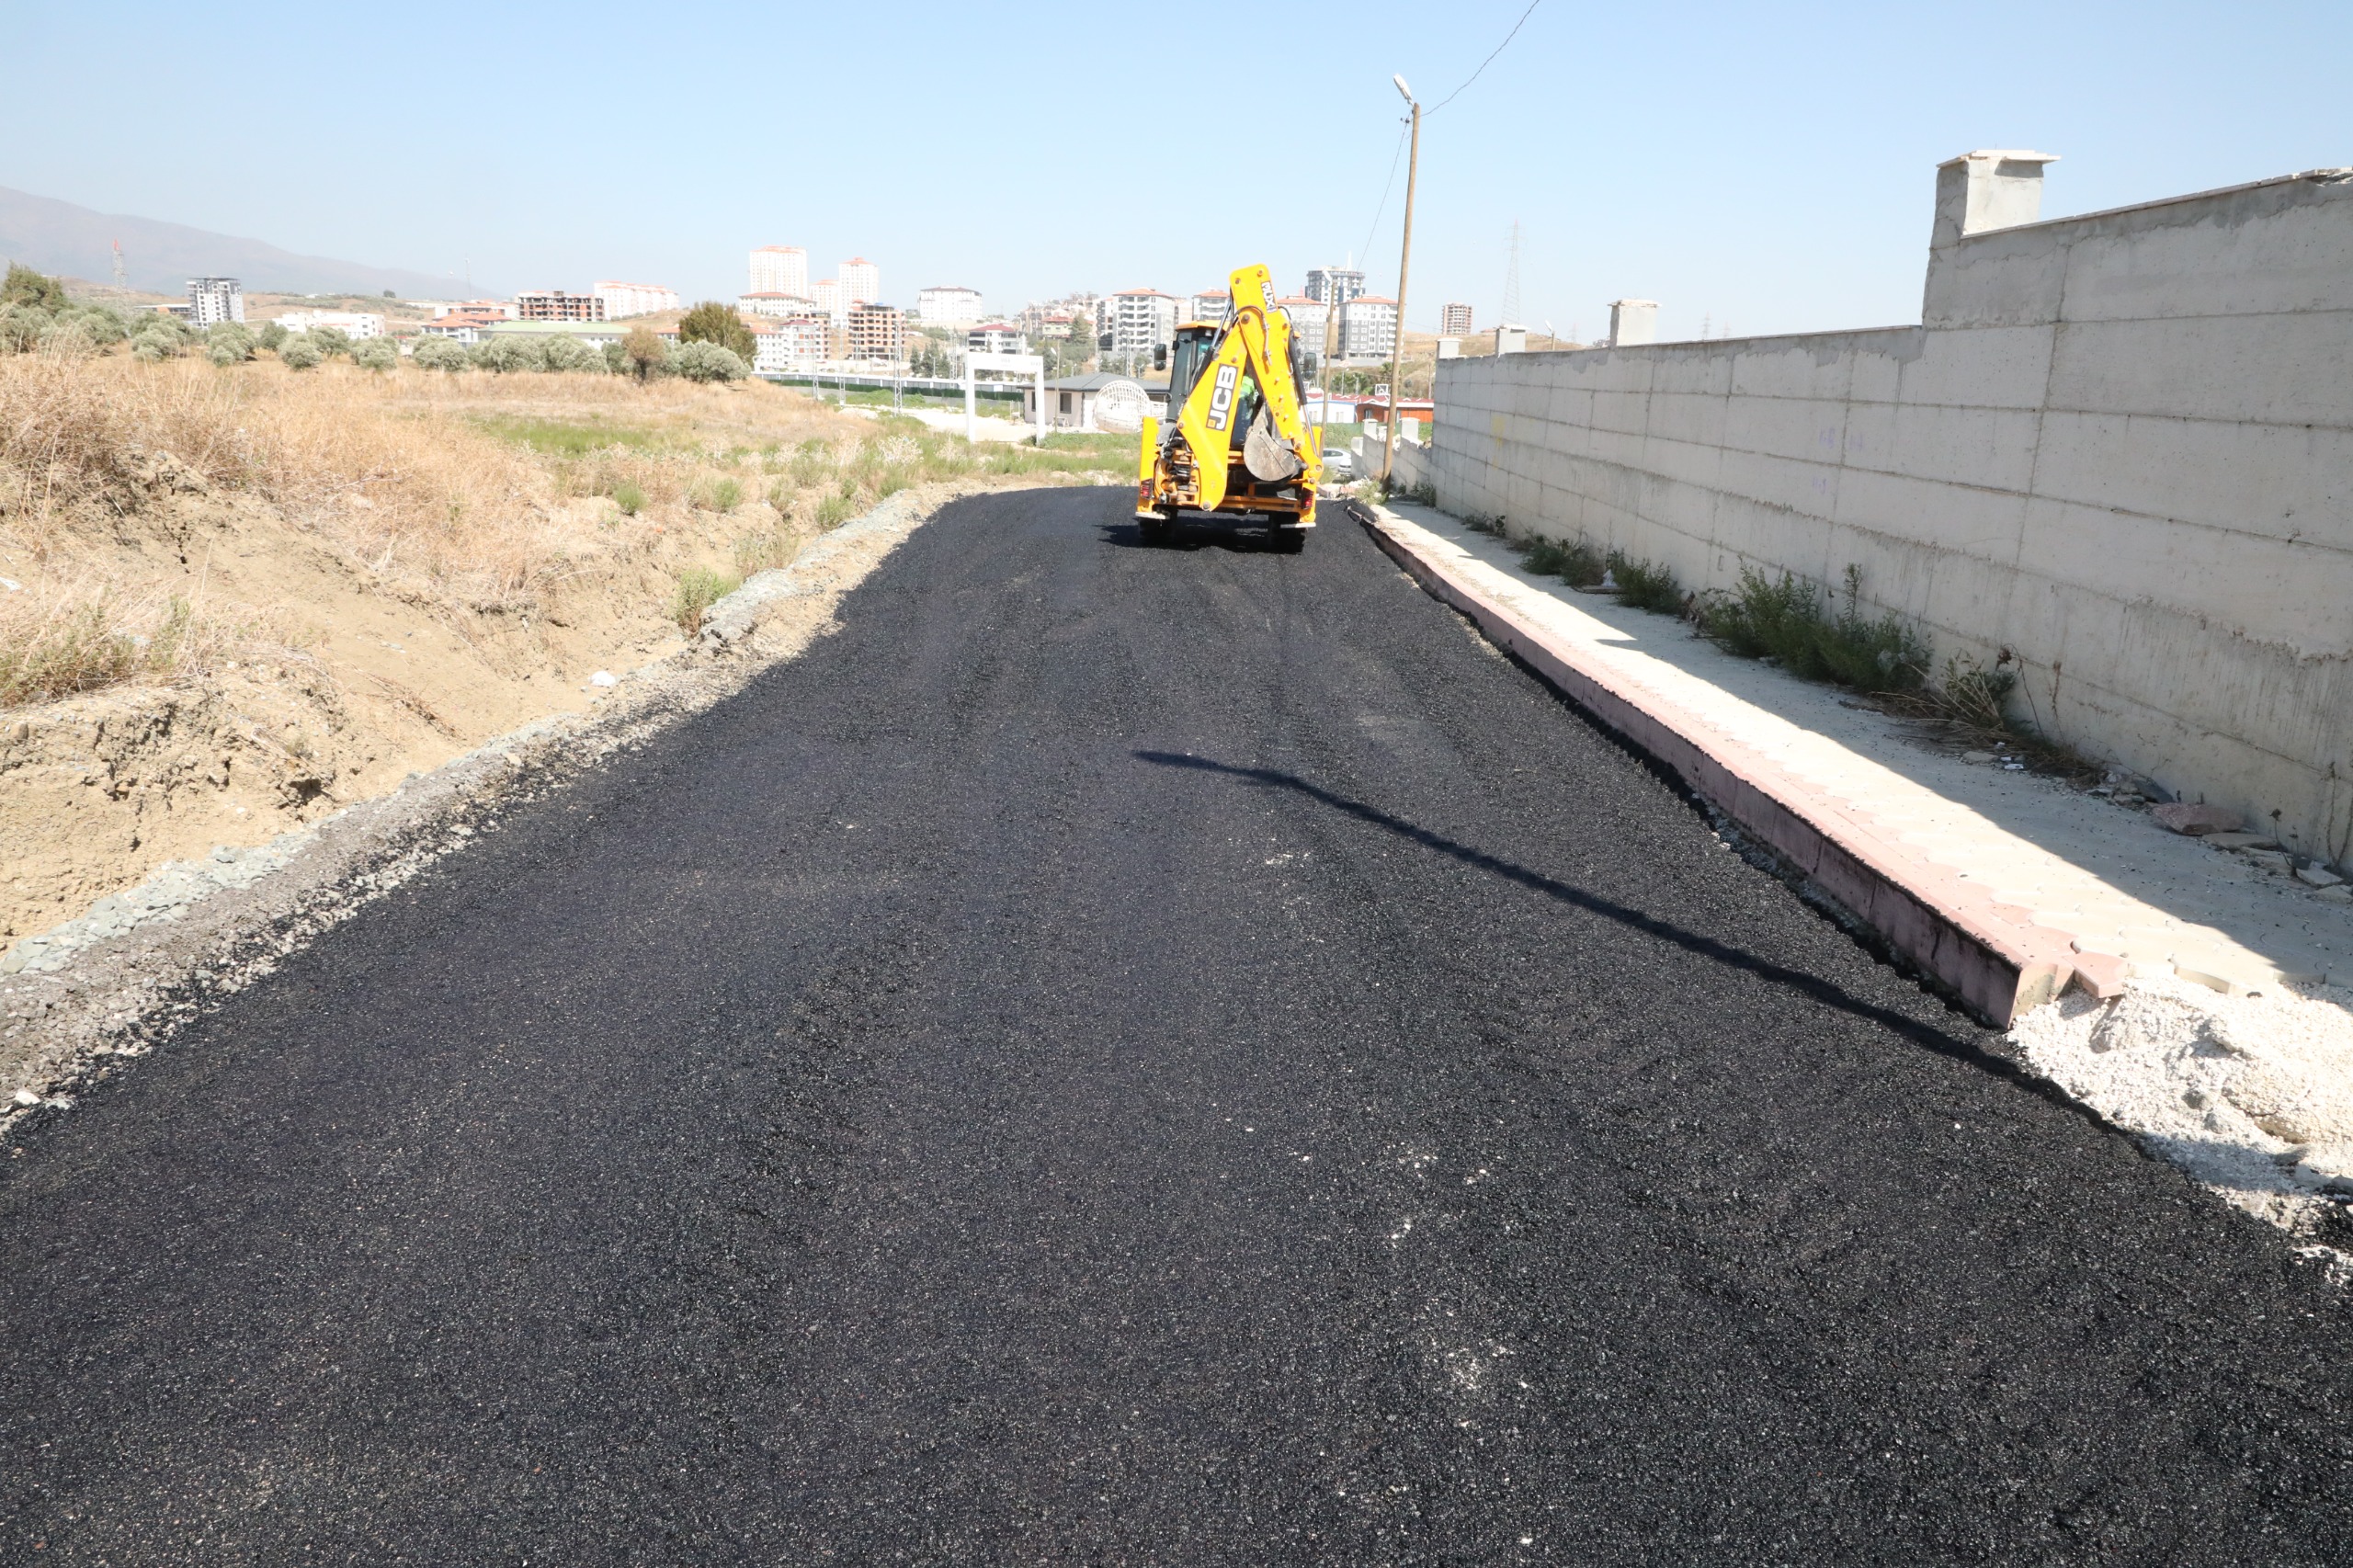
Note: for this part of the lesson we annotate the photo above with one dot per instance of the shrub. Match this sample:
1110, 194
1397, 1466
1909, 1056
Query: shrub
714, 323
299, 353
698, 588
1644, 584
21, 327
759, 552
23, 285
331, 339
1787, 620
229, 343
630, 496
563, 353
377, 354
440, 354
703, 361
722, 495
1575, 564
100, 325
1975, 695
834, 510
271, 337
148, 347
514, 352
645, 352
616, 359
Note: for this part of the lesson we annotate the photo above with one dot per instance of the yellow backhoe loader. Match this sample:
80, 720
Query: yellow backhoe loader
1238, 442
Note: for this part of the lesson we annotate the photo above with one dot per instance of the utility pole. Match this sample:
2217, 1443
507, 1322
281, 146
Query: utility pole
1405, 262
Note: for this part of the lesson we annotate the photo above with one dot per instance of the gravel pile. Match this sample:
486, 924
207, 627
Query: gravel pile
2251, 1094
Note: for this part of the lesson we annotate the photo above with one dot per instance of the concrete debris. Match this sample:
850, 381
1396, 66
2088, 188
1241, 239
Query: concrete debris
2196, 820
2242, 841
1977, 756
2318, 876
2252, 1093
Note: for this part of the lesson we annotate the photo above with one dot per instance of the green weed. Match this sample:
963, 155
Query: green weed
566, 438
698, 588
1787, 621
1644, 584
630, 496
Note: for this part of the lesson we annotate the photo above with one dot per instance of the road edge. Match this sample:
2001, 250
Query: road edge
106, 990
1994, 959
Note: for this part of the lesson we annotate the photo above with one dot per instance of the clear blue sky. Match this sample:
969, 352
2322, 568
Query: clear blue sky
1769, 166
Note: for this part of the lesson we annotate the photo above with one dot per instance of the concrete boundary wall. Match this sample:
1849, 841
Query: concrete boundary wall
2118, 449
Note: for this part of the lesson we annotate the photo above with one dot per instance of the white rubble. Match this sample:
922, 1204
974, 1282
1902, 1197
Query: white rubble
2251, 1094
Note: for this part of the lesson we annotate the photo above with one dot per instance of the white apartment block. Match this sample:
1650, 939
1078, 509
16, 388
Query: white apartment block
947, 304
779, 269
862, 281
792, 342
1368, 329
779, 305
1310, 321
211, 300
1136, 321
1210, 305
996, 337
354, 325
1334, 285
634, 299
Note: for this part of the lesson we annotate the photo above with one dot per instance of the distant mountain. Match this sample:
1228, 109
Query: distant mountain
58, 237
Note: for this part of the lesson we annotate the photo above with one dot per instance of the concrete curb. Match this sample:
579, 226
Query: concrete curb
1995, 956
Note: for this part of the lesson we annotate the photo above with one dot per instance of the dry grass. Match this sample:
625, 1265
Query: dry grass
475, 495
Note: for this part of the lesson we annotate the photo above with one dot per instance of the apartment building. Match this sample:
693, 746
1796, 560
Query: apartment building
1135, 321
779, 269
1334, 285
1210, 305
788, 343
554, 305
830, 299
625, 300
1311, 321
211, 300
774, 305
996, 337
947, 304
1368, 329
861, 280
878, 332
1454, 320
353, 325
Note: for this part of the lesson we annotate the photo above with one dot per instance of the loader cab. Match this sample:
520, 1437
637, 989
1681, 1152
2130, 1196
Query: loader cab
1196, 341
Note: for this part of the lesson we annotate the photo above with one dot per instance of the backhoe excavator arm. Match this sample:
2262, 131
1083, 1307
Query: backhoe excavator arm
1220, 421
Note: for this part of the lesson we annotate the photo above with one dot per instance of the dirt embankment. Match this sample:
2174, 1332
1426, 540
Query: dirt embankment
233, 600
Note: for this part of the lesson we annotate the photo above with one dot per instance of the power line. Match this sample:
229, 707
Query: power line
1491, 59
1366, 248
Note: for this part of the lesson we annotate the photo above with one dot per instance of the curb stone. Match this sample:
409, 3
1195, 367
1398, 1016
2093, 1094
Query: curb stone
1992, 956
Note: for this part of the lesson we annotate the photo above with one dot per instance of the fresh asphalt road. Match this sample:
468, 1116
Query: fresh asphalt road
1129, 1056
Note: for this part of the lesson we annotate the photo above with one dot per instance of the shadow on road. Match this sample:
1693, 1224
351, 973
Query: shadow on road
1813, 987
1243, 539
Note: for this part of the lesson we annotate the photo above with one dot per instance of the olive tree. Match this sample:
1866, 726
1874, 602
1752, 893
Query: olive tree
440, 354
706, 361
300, 352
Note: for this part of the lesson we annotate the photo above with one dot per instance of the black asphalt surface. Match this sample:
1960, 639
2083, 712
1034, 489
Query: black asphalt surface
1127, 1056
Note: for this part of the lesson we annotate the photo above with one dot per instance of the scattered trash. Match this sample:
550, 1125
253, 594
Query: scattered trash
603, 677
